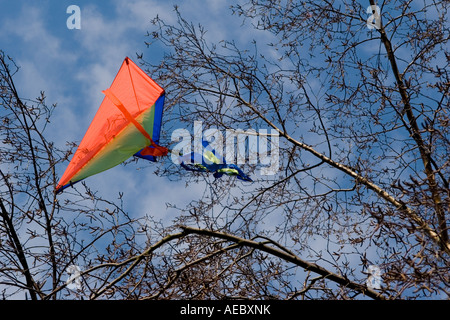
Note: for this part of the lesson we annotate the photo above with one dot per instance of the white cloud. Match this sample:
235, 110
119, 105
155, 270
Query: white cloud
39, 53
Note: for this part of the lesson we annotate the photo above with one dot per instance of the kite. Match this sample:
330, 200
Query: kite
211, 163
127, 123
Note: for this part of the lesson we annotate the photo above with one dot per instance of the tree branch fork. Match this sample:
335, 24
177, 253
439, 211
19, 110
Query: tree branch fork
267, 246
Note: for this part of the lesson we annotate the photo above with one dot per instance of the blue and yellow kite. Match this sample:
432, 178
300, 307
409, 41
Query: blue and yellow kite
210, 162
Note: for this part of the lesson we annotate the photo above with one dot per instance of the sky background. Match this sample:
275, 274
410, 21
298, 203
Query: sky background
73, 66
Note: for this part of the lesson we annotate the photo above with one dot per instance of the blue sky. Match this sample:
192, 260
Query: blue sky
73, 67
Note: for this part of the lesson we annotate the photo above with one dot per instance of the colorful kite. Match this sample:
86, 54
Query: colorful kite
128, 122
211, 163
